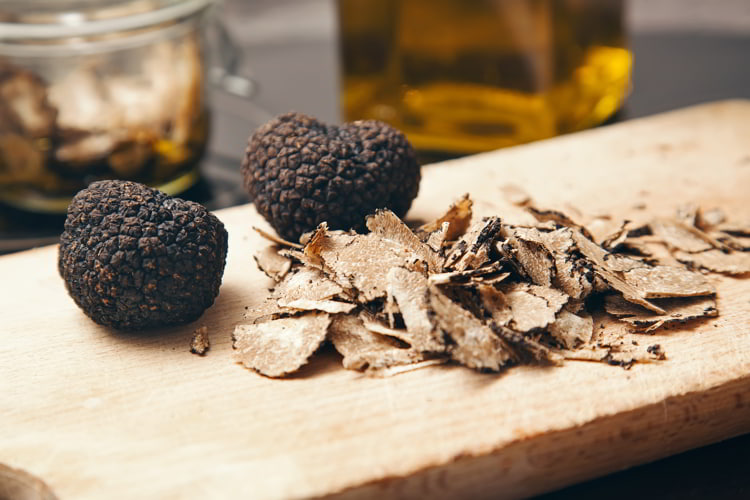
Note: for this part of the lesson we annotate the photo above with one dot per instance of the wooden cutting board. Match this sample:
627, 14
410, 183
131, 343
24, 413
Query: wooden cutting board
101, 414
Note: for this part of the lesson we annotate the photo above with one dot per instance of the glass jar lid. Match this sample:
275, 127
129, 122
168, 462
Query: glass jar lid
29, 20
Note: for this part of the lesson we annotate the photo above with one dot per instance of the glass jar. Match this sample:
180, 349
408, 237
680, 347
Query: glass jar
99, 89
463, 76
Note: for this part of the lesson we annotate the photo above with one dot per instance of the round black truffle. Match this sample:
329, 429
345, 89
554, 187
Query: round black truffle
134, 258
300, 172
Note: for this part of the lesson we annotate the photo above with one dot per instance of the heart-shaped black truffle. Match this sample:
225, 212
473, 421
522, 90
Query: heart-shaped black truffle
300, 172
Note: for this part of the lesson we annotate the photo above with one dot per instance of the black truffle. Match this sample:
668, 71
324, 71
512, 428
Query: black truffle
134, 258
300, 172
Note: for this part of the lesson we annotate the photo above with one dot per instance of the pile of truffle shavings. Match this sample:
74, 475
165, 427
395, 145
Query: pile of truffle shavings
484, 294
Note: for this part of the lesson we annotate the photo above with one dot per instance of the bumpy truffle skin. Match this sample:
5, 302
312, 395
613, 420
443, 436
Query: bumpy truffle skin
134, 258
300, 172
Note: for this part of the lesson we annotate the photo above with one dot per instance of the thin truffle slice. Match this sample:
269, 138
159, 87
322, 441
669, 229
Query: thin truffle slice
495, 305
488, 274
307, 283
302, 283
717, 261
276, 239
372, 324
458, 218
668, 281
281, 346
558, 218
269, 261
532, 256
573, 274
526, 348
348, 260
597, 257
735, 228
679, 236
572, 330
737, 243
707, 220
329, 306
533, 307
612, 355
474, 248
438, 238
364, 350
677, 310
474, 344
410, 290
387, 225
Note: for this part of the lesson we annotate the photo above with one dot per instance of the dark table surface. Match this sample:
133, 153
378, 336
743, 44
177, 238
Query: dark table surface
673, 69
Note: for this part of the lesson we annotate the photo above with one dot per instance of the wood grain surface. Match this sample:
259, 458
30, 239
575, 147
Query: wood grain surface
102, 414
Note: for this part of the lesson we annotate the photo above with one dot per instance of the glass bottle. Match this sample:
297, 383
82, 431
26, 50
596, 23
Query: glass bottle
463, 76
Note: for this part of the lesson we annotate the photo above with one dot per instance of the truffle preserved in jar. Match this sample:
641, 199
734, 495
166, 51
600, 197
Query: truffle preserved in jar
91, 91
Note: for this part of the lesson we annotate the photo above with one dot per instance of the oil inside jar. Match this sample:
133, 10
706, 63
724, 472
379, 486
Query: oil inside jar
460, 77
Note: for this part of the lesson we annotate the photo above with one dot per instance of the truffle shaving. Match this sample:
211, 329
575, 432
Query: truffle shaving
678, 236
458, 218
533, 306
438, 238
349, 260
572, 330
304, 284
276, 239
281, 346
329, 306
597, 257
364, 350
614, 240
707, 220
474, 344
496, 304
717, 261
676, 311
735, 228
487, 275
272, 263
411, 293
533, 257
737, 243
573, 275
386, 225
473, 249
667, 281
558, 218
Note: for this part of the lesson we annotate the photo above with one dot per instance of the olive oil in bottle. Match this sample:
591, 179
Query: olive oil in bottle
463, 76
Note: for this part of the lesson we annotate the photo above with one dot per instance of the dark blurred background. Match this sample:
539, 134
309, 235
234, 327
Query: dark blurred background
686, 52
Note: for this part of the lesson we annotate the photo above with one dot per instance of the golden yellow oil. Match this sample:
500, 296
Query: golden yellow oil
463, 76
